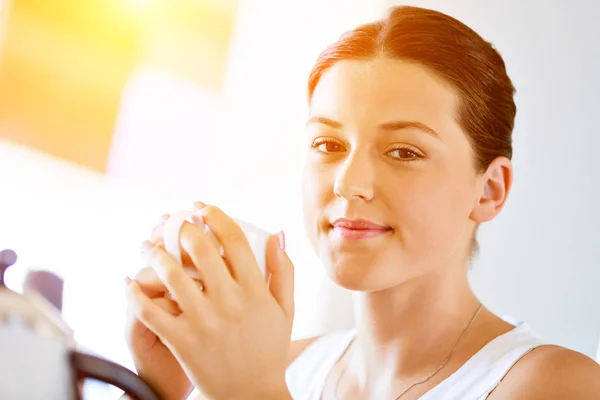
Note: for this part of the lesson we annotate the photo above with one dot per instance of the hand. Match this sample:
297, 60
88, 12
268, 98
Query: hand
233, 337
153, 361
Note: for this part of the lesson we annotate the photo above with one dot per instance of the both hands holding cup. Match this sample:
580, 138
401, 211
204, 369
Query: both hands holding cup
228, 336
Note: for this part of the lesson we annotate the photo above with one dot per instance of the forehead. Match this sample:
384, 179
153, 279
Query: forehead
379, 90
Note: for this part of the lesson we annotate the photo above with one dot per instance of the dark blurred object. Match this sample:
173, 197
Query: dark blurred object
7, 259
38, 355
48, 284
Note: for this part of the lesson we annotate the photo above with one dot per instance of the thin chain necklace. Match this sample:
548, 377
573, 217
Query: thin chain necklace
427, 378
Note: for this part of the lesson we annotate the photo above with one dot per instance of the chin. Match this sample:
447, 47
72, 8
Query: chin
358, 273
360, 285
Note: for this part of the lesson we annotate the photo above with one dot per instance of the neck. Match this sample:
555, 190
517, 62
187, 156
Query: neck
410, 329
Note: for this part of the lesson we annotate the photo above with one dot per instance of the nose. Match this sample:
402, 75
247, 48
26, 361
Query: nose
355, 178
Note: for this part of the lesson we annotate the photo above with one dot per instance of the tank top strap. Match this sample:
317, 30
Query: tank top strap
307, 374
484, 371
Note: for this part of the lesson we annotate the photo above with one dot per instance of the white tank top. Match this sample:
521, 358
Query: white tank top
306, 376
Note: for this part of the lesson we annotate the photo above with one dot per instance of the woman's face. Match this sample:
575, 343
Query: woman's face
389, 182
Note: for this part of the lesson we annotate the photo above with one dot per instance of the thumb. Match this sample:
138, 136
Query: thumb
281, 270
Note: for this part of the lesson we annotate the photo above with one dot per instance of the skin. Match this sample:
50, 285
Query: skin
412, 297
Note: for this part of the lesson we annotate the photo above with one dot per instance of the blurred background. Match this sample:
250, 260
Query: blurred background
113, 112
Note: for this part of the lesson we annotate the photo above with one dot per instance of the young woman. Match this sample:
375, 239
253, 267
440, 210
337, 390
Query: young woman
409, 149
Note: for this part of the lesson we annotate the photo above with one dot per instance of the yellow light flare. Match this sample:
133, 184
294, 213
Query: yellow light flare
139, 5
64, 64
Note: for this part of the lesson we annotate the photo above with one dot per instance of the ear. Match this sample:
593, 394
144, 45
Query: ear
495, 184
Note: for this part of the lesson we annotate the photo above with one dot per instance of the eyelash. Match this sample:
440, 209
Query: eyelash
418, 155
315, 145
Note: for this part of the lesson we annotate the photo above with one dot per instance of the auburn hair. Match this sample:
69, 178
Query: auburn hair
486, 110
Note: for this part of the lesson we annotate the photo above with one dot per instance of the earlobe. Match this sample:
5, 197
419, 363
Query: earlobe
496, 183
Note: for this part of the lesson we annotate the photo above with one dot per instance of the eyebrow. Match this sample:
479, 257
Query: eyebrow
388, 126
325, 121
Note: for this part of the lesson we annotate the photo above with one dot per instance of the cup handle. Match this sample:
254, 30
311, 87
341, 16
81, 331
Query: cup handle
88, 366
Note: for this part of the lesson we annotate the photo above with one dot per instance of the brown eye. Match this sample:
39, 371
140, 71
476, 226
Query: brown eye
327, 146
405, 154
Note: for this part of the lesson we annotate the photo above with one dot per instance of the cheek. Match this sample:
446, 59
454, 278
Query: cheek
317, 182
432, 209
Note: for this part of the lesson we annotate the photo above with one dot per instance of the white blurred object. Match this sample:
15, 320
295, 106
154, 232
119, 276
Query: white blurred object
257, 238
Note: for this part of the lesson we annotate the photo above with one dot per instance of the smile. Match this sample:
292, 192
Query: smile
358, 229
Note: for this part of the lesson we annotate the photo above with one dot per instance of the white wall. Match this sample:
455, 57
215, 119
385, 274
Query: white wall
540, 261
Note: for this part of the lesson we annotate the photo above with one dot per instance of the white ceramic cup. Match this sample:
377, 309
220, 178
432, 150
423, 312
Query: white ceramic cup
257, 238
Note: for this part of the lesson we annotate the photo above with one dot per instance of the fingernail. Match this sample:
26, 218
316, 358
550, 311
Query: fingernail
198, 205
281, 239
127, 280
146, 246
198, 221
163, 218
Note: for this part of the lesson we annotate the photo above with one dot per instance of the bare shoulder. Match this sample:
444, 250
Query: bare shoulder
298, 346
551, 372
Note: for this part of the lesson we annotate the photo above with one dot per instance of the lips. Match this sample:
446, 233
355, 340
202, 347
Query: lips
358, 228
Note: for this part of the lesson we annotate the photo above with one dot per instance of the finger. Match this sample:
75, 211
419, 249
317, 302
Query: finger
180, 285
157, 238
167, 305
205, 228
163, 302
133, 325
212, 269
148, 312
236, 248
281, 269
151, 284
